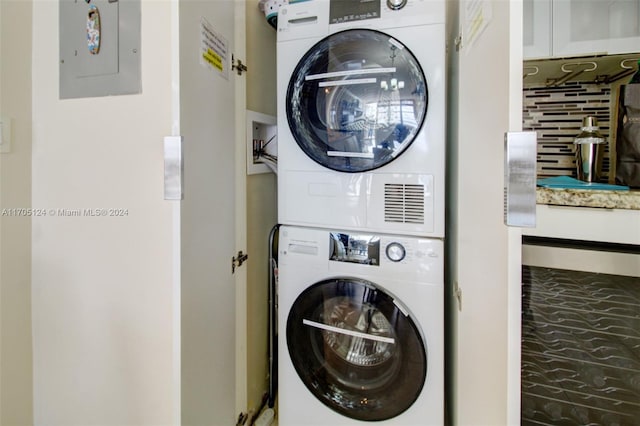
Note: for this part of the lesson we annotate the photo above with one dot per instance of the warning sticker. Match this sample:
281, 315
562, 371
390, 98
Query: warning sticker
214, 50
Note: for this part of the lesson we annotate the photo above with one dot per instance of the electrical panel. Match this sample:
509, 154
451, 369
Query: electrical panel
99, 48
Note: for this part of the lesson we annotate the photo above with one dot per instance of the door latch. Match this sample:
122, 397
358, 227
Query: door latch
238, 260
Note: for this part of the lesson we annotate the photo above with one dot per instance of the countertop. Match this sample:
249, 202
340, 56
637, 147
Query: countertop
629, 200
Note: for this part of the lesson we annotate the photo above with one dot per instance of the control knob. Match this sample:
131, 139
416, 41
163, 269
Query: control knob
396, 4
395, 252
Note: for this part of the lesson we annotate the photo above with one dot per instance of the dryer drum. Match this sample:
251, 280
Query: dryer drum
356, 100
355, 350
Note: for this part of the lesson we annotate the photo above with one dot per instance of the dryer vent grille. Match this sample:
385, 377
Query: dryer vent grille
403, 203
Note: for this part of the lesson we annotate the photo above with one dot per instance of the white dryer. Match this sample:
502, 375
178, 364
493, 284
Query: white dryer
360, 329
361, 115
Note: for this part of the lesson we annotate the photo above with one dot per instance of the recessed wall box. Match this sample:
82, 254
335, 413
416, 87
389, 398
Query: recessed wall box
99, 48
262, 143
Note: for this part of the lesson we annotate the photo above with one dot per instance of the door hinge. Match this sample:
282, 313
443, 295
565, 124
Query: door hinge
242, 419
457, 292
238, 260
458, 42
236, 64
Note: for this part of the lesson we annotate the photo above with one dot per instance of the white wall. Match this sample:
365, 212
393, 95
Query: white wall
15, 231
102, 290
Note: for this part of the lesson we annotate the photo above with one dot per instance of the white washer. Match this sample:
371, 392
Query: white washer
361, 115
360, 329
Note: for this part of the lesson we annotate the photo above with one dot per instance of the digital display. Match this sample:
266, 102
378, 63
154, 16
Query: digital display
341, 11
362, 249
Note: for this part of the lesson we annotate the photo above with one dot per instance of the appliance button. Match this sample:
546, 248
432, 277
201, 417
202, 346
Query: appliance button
396, 4
395, 252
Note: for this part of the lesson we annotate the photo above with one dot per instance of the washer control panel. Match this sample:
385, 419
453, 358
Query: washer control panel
375, 250
345, 253
354, 248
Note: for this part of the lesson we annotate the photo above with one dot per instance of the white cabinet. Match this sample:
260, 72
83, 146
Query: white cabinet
537, 28
588, 225
620, 226
595, 26
556, 28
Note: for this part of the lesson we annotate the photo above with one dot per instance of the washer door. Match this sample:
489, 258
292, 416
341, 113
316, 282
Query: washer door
356, 350
356, 100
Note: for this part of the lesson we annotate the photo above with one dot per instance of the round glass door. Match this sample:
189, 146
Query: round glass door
355, 350
356, 100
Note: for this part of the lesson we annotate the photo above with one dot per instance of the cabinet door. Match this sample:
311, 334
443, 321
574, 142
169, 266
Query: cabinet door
595, 26
537, 28
211, 299
484, 316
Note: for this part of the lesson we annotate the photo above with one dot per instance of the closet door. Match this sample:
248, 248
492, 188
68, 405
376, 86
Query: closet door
484, 254
211, 220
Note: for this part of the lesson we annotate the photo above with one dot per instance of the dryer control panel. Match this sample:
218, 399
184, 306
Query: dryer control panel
341, 11
348, 11
304, 19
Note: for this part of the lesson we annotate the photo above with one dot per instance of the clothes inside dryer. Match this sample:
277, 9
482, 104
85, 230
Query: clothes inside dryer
356, 100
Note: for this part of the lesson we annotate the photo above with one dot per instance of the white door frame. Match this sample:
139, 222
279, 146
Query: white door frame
241, 210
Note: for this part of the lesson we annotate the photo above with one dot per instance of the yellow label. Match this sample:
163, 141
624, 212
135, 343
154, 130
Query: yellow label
213, 58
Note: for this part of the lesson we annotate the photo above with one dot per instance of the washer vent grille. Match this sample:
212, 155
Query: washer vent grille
403, 203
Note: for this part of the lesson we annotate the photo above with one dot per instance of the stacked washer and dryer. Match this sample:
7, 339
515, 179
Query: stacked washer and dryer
361, 182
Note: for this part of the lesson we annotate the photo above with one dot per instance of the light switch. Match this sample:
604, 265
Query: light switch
5, 134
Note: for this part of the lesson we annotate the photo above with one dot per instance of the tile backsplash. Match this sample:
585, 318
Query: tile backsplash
556, 114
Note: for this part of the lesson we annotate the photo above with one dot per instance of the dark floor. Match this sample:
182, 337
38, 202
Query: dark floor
580, 348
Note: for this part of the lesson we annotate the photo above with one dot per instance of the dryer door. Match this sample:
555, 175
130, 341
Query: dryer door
356, 100
356, 350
